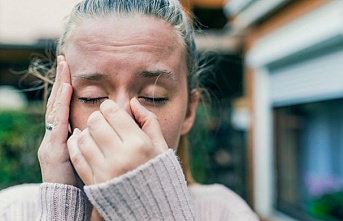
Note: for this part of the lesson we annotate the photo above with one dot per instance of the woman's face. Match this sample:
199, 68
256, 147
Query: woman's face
119, 59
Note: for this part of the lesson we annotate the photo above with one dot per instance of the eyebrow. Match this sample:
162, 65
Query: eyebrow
91, 77
145, 74
154, 74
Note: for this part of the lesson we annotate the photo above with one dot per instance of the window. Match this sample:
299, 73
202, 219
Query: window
309, 160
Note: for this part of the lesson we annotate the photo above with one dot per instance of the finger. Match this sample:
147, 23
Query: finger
56, 85
65, 72
50, 115
103, 134
149, 124
79, 162
123, 124
63, 76
60, 115
89, 149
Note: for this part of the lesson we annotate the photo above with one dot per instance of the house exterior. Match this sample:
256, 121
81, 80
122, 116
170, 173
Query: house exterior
293, 51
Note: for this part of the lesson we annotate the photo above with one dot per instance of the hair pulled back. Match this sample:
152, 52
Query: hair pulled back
169, 11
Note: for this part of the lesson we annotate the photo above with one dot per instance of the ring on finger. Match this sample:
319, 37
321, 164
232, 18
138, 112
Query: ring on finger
49, 126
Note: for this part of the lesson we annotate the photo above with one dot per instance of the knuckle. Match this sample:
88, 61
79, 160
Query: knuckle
54, 110
71, 140
44, 155
49, 104
52, 113
81, 140
142, 150
122, 166
141, 146
57, 106
41, 154
94, 118
57, 121
76, 159
109, 108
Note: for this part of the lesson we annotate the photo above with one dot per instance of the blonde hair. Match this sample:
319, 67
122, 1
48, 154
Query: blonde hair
183, 154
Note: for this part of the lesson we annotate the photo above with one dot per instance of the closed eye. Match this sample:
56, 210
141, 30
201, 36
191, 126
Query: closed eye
154, 100
92, 101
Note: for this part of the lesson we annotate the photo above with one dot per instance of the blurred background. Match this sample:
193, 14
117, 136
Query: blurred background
274, 129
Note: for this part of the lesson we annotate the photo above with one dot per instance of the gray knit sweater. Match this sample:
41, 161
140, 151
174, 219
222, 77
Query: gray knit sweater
154, 191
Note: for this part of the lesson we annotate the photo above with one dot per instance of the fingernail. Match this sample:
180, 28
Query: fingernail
76, 131
59, 59
135, 100
60, 67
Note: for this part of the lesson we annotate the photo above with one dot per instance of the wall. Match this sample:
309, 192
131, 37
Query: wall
24, 22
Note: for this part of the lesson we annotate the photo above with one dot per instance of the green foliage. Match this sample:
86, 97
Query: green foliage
328, 207
201, 143
20, 135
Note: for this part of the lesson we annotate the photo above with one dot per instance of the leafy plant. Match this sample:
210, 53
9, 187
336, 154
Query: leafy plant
20, 135
329, 206
201, 143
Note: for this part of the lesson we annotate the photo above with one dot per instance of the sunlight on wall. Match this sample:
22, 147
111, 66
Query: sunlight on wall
11, 99
24, 22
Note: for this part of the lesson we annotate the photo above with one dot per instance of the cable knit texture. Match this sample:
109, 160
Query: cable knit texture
63, 202
154, 191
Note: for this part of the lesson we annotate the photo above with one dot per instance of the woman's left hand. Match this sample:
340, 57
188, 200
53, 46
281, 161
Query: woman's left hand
114, 142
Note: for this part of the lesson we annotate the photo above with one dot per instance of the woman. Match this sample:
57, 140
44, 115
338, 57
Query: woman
126, 87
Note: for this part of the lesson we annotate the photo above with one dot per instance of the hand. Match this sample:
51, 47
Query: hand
53, 153
114, 143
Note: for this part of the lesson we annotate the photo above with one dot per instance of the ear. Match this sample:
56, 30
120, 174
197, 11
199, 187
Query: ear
191, 112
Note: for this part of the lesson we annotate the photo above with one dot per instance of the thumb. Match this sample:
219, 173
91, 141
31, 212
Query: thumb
148, 122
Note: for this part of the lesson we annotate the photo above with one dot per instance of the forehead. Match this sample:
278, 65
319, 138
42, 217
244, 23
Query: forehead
122, 45
117, 33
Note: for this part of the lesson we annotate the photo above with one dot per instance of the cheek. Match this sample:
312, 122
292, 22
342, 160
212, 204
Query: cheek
173, 120
171, 132
171, 126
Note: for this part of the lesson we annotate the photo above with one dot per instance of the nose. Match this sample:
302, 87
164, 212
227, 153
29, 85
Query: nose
123, 100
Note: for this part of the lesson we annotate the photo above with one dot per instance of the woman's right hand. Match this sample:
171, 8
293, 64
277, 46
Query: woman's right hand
53, 153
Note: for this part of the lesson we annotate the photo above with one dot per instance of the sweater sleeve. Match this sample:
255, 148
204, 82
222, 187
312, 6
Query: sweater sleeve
156, 190
19, 203
217, 202
63, 202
